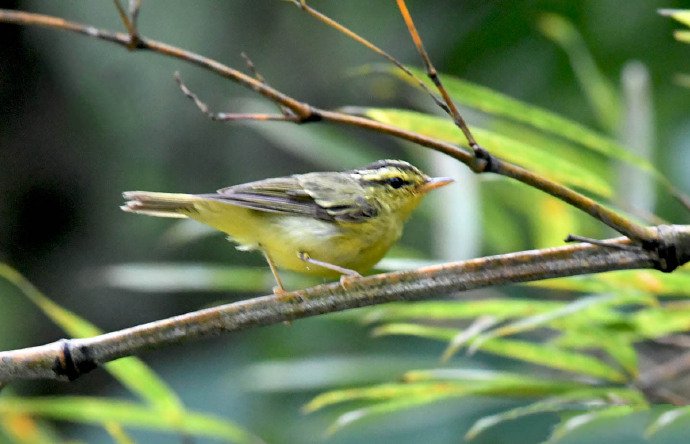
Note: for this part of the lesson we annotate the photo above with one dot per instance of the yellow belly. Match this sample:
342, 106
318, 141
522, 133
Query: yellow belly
356, 246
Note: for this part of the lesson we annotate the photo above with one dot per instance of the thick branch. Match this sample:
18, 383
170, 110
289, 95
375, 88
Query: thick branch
306, 113
68, 359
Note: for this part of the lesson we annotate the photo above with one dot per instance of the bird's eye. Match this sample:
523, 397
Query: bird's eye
395, 182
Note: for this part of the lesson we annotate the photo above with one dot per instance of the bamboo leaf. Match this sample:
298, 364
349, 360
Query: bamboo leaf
158, 277
24, 429
553, 357
618, 345
682, 36
576, 422
546, 318
676, 284
421, 331
656, 322
380, 409
499, 308
603, 97
461, 384
495, 382
587, 399
543, 354
668, 418
385, 392
680, 15
477, 327
97, 411
500, 105
529, 156
131, 371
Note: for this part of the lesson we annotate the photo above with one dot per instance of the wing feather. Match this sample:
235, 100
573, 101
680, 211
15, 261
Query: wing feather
337, 197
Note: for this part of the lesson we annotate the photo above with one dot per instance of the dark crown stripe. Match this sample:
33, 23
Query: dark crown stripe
389, 163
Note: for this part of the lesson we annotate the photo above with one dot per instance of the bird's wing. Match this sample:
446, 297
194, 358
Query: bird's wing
341, 196
326, 200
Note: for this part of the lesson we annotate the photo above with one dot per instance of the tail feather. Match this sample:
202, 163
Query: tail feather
159, 204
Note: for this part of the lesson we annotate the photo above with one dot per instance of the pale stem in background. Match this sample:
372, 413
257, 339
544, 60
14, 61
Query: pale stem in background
636, 191
457, 231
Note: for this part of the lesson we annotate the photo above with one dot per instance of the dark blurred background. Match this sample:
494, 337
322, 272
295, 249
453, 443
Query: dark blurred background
82, 120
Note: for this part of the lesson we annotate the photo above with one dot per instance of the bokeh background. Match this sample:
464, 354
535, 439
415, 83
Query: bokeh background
82, 120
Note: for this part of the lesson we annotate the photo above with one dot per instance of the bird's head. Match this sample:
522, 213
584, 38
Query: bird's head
396, 185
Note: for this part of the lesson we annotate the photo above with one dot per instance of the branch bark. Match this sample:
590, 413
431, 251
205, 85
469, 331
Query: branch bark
67, 359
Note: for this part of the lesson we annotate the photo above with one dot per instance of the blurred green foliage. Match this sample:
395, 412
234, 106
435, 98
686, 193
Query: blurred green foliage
81, 121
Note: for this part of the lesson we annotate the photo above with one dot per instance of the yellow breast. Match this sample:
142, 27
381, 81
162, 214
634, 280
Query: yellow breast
356, 246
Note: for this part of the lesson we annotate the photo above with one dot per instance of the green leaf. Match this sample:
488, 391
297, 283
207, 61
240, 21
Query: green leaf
576, 422
682, 36
25, 429
500, 105
603, 97
479, 325
97, 411
618, 344
680, 15
117, 433
656, 322
543, 354
667, 418
499, 308
545, 319
587, 399
149, 277
676, 284
459, 384
495, 382
131, 371
554, 357
380, 409
421, 331
385, 392
541, 161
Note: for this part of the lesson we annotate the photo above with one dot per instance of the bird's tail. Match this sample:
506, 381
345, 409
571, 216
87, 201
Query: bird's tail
159, 204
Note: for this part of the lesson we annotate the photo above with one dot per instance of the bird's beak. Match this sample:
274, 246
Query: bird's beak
435, 182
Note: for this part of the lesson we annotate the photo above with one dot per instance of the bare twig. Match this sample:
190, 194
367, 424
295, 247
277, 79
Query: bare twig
671, 369
129, 19
479, 152
302, 4
307, 113
68, 359
601, 243
227, 117
257, 75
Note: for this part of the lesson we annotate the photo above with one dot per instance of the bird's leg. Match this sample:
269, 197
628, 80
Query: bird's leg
346, 273
279, 289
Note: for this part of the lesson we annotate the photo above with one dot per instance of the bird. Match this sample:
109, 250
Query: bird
330, 224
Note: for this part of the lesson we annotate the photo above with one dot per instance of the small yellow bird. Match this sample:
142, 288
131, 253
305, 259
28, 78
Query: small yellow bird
325, 223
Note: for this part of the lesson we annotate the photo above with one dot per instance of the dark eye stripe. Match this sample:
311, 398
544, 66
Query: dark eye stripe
394, 182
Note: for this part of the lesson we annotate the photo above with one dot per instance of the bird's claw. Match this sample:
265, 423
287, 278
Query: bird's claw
346, 280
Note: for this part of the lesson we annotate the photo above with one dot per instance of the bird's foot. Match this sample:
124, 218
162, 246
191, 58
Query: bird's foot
346, 280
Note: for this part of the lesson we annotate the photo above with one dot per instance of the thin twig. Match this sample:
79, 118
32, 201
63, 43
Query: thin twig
671, 369
134, 8
130, 20
601, 243
68, 359
479, 152
230, 117
302, 4
257, 75
307, 113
